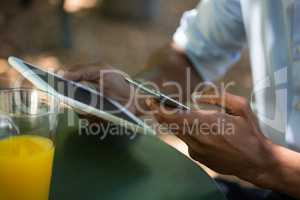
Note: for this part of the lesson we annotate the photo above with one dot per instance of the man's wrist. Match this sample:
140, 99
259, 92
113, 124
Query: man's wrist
269, 173
283, 171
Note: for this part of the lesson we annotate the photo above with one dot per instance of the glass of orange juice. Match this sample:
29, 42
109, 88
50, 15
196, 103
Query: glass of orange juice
28, 120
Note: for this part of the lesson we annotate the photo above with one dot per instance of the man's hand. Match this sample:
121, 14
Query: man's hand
108, 80
228, 142
168, 64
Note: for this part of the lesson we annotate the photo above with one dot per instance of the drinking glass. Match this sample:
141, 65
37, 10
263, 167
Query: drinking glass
28, 121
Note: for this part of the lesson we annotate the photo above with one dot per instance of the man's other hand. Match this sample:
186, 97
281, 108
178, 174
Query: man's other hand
108, 80
228, 142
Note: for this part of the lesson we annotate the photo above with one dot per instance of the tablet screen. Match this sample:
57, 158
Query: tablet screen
83, 94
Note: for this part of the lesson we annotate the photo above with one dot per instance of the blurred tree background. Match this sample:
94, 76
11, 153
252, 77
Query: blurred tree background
121, 34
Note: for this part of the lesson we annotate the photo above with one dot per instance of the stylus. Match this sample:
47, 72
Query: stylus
162, 98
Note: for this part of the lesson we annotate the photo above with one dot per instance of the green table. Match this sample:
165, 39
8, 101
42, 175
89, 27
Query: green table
87, 168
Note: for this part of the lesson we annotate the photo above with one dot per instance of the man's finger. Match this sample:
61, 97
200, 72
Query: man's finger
73, 76
180, 117
157, 109
233, 104
89, 74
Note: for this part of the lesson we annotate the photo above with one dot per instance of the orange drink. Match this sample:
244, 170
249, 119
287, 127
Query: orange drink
25, 167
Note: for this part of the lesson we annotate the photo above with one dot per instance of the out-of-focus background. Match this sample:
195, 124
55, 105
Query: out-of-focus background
123, 33
63, 32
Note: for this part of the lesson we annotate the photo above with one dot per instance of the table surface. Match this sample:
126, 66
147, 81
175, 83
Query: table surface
88, 168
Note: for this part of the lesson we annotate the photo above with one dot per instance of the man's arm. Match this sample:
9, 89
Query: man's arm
170, 64
207, 42
284, 175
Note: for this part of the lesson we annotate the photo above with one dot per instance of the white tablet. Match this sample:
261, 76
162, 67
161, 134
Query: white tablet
80, 97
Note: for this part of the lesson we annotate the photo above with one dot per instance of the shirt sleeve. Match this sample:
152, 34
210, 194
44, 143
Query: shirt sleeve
212, 35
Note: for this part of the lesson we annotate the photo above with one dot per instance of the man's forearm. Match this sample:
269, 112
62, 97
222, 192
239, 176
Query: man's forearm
279, 171
284, 173
169, 66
